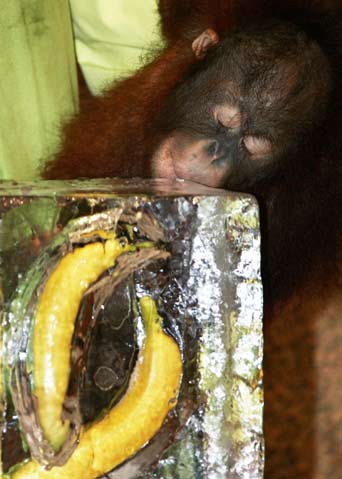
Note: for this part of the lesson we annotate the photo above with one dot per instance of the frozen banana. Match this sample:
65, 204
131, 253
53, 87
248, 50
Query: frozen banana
130, 424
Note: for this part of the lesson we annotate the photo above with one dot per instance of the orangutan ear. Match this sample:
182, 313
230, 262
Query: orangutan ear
203, 42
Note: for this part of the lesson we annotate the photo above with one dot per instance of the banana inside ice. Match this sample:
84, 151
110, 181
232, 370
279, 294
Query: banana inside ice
151, 394
54, 326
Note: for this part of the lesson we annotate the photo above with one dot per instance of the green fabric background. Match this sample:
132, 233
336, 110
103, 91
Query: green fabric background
112, 37
38, 80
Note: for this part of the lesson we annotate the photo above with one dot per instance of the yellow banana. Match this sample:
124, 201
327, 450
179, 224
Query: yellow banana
54, 326
151, 394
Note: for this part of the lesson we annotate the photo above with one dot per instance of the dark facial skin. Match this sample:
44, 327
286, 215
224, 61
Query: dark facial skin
254, 102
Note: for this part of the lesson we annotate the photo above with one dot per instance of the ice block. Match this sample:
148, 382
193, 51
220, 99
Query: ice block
194, 252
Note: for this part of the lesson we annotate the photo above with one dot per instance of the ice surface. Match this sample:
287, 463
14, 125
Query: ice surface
207, 284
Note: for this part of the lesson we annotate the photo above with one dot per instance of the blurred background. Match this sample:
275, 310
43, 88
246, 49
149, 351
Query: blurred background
40, 40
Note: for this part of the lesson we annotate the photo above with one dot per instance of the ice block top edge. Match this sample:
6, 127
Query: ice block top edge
110, 186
